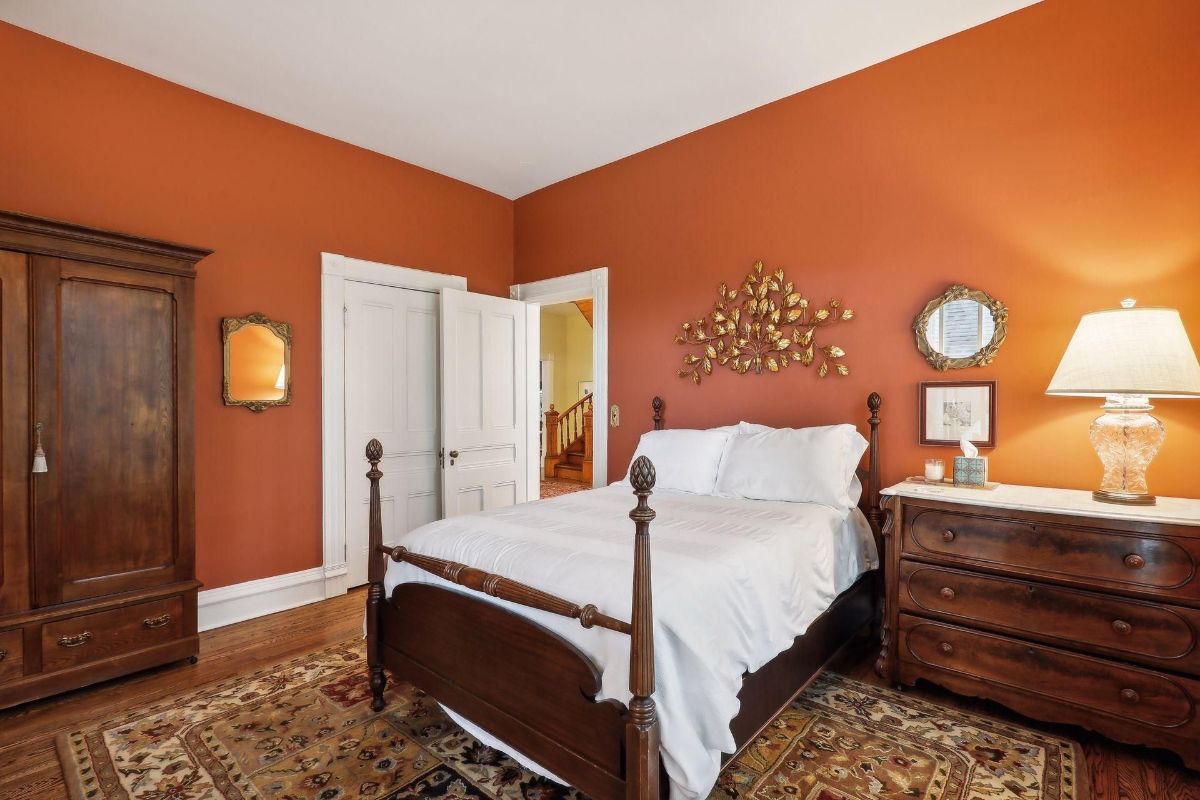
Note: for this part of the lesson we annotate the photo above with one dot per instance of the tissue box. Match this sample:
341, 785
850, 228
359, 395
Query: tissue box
970, 471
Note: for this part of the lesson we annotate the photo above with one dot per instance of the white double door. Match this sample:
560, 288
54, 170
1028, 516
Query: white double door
439, 379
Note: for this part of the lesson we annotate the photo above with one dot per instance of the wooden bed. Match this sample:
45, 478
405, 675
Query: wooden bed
535, 691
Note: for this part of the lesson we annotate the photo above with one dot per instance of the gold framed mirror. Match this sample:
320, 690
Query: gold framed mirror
961, 328
257, 362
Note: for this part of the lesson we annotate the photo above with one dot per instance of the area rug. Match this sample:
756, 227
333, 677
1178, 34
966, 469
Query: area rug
557, 487
305, 731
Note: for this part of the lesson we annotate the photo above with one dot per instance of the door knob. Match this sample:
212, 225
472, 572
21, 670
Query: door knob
453, 455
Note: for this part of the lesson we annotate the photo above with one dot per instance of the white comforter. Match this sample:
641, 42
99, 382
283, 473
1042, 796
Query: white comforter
735, 581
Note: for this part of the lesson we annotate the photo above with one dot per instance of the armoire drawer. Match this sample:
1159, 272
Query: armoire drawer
91, 637
12, 662
1059, 552
1138, 630
1098, 685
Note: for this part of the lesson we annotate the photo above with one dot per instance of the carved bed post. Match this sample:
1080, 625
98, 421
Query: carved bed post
376, 568
874, 514
657, 405
641, 732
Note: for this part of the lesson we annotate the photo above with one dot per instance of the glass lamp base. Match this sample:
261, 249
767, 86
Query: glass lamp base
1126, 439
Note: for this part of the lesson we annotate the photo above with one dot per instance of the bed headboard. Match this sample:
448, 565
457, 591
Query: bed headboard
869, 502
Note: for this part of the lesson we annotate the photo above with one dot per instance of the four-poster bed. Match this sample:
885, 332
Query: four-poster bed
532, 689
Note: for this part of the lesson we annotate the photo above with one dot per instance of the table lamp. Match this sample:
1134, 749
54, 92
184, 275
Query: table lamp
1128, 355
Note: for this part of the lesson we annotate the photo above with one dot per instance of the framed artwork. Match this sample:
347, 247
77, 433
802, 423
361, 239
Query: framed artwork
949, 410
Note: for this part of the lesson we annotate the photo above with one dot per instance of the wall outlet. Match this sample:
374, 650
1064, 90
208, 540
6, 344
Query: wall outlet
614, 416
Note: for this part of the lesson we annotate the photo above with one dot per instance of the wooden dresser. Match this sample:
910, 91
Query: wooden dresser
1060, 607
97, 556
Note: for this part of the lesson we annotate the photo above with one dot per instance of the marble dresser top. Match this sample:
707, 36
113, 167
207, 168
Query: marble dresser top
1169, 510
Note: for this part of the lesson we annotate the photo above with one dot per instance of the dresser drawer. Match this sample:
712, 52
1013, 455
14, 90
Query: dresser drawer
1142, 631
1061, 552
12, 662
104, 634
1127, 693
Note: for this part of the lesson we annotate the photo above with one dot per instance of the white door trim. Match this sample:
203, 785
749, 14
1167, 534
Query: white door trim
580, 285
335, 271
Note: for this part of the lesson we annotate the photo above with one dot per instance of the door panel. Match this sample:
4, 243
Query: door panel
391, 395
16, 452
107, 388
483, 402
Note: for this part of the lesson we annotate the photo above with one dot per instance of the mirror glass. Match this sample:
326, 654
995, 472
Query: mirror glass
257, 362
961, 328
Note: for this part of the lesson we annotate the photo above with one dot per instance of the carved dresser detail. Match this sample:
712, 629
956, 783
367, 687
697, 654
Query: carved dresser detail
1060, 607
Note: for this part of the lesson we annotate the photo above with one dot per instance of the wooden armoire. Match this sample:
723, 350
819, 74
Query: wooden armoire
97, 552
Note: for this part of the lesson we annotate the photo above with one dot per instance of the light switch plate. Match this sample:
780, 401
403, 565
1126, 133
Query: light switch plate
614, 416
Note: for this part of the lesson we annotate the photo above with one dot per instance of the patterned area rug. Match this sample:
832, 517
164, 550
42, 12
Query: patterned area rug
305, 731
556, 487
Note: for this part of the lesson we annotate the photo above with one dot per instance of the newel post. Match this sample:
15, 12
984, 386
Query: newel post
641, 731
589, 441
376, 568
552, 421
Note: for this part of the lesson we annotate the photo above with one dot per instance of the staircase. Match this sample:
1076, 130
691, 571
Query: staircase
569, 442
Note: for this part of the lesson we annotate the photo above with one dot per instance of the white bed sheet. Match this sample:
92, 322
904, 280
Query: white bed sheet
734, 581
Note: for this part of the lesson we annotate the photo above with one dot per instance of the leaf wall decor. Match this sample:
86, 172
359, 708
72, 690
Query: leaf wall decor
763, 324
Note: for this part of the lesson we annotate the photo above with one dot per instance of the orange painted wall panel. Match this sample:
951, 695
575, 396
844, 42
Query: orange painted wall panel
94, 142
1051, 157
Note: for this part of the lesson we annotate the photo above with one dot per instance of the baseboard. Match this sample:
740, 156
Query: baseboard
243, 601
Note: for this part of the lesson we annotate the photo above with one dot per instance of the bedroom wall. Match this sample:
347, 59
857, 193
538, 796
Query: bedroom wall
1050, 157
93, 142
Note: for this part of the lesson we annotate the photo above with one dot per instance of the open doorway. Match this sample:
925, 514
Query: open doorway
566, 395
567, 368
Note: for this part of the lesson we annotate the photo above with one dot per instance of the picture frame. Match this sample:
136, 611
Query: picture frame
946, 410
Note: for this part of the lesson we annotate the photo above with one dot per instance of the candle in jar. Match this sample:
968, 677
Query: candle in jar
935, 470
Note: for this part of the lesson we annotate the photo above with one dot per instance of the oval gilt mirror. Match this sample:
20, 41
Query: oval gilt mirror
257, 362
961, 328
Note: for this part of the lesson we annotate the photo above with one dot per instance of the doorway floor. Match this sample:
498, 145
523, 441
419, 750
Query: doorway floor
556, 487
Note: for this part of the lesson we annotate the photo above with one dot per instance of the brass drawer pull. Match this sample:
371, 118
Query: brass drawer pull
1130, 696
157, 622
946, 648
948, 536
76, 640
1122, 627
1134, 561
947, 593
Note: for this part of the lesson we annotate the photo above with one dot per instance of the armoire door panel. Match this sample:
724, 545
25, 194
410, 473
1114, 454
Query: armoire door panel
107, 512
16, 452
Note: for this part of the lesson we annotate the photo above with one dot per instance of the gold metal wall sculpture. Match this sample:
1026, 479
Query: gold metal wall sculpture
772, 326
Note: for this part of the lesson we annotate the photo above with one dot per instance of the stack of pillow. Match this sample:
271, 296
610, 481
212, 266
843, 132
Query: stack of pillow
756, 462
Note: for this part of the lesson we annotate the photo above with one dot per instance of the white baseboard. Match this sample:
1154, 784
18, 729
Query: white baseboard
243, 601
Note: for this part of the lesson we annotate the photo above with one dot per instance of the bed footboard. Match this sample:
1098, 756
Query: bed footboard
522, 683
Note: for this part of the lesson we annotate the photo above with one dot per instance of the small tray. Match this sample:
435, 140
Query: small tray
989, 486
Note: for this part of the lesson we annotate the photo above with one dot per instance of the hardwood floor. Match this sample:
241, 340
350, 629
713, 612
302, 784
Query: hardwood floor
29, 765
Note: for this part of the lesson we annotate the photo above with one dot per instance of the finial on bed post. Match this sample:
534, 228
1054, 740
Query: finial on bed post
874, 513
641, 732
376, 567
657, 405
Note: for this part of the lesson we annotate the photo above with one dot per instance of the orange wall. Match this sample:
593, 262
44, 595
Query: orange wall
90, 141
1051, 157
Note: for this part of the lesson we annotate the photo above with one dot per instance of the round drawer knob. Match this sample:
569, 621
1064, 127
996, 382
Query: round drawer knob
947, 593
1122, 627
946, 648
1134, 561
1130, 696
948, 536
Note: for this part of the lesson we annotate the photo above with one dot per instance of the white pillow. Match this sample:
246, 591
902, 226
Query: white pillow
798, 465
683, 459
744, 427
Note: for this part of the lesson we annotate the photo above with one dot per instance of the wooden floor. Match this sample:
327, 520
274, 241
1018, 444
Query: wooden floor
29, 765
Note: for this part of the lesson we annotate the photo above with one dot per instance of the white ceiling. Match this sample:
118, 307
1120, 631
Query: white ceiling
510, 95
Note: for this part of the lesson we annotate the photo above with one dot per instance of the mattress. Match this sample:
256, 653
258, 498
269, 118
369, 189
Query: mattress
734, 582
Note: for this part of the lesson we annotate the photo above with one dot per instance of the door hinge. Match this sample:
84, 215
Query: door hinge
442, 458
345, 316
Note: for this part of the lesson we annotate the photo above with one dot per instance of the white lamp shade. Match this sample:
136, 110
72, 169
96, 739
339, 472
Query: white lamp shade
1140, 351
279, 382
